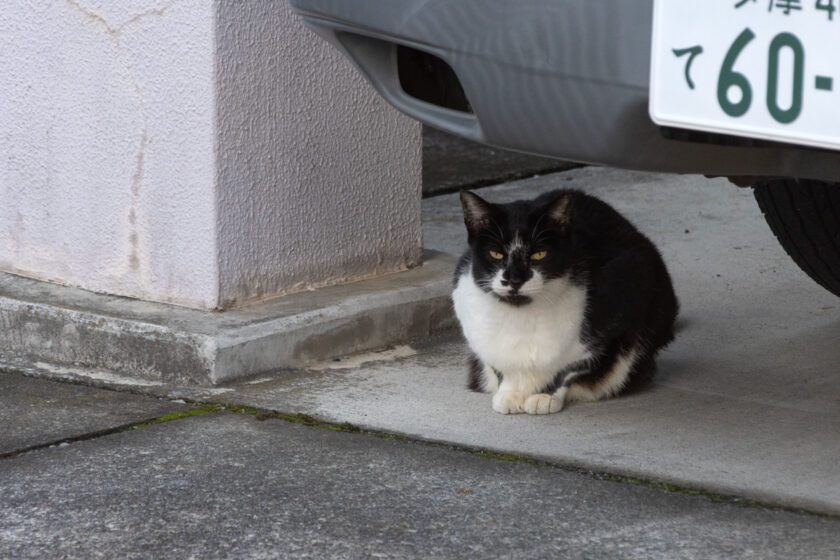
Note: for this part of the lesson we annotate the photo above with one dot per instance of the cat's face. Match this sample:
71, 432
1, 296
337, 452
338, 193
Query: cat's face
517, 248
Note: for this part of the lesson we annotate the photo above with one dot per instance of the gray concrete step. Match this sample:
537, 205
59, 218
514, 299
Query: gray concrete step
65, 332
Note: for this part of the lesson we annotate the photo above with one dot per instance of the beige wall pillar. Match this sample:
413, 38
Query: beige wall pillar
201, 153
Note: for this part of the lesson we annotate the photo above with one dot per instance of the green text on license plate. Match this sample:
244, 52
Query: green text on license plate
761, 68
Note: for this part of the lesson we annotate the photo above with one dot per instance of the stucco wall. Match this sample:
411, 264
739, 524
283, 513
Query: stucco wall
107, 138
205, 153
319, 179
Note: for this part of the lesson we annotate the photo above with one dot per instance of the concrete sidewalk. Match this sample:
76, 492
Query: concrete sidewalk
204, 482
746, 401
746, 404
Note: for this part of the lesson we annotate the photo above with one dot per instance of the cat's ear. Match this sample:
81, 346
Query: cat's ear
560, 209
478, 213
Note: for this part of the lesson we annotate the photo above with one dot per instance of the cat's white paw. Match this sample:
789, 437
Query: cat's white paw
508, 402
543, 403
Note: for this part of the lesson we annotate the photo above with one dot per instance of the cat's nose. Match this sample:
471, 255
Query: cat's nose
512, 282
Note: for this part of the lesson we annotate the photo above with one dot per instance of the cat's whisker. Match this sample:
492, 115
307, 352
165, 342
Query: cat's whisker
536, 225
501, 233
541, 236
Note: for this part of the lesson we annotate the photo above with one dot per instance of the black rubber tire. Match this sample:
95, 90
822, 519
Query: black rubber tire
805, 217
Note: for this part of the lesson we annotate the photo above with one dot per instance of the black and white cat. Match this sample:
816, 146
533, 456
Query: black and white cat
560, 299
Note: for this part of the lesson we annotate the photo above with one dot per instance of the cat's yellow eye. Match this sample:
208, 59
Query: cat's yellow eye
496, 255
538, 256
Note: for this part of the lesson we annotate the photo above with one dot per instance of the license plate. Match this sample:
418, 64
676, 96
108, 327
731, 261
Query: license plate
766, 69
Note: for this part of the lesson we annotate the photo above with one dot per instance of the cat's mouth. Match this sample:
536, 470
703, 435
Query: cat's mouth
514, 299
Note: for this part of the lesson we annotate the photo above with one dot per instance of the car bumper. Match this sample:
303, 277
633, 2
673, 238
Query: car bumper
561, 78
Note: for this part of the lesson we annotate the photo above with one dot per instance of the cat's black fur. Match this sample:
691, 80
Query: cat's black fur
630, 299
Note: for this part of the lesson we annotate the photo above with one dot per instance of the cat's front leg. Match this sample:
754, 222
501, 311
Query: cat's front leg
507, 401
543, 403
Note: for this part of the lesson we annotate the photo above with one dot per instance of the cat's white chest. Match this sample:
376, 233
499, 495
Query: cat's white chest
530, 343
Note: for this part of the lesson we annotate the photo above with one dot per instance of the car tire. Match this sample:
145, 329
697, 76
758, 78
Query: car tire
805, 217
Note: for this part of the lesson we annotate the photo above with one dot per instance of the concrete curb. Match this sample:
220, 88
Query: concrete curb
50, 325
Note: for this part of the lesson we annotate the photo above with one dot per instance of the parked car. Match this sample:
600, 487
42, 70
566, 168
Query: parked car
734, 88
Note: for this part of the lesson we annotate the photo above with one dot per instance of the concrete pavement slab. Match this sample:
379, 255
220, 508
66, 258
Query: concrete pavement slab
746, 401
229, 486
37, 412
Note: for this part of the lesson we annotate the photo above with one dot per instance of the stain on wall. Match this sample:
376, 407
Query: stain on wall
107, 180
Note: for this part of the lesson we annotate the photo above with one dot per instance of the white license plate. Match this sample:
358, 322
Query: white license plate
761, 68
